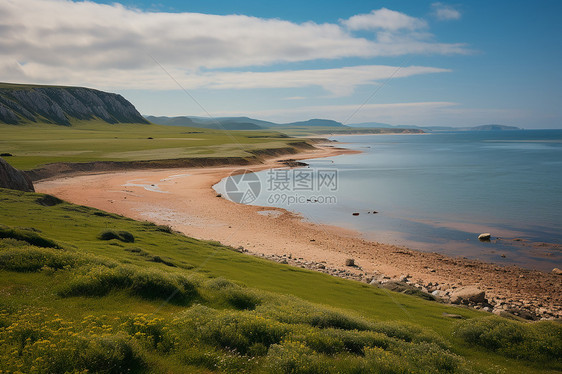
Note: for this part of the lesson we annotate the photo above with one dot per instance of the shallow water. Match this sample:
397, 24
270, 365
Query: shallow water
437, 192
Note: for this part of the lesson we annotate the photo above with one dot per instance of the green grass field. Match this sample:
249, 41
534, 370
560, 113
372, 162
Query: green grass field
33, 145
82, 289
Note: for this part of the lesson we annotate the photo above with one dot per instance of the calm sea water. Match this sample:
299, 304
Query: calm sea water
437, 192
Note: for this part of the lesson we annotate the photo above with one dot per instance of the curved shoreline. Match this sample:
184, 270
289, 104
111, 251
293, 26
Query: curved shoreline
184, 199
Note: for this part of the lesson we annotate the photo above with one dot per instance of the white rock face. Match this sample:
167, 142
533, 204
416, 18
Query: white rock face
59, 105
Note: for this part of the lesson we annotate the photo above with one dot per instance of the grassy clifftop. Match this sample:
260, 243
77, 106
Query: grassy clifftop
87, 290
38, 144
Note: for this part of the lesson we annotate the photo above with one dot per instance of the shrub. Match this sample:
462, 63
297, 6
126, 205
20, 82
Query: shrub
28, 259
539, 341
332, 341
164, 228
9, 243
160, 260
137, 250
219, 283
293, 357
123, 236
48, 200
28, 236
100, 280
292, 310
32, 343
241, 299
240, 332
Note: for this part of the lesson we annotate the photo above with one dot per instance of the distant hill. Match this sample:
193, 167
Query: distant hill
316, 122
227, 123
236, 123
22, 103
372, 125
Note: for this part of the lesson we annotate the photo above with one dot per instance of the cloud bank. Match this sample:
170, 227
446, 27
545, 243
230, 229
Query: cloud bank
111, 46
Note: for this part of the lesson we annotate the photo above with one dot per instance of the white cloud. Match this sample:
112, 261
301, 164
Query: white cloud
339, 82
110, 46
445, 12
385, 19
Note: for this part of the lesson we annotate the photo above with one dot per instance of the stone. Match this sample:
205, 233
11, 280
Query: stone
467, 294
349, 262
485, 237
13, 178
403, 278
557, 271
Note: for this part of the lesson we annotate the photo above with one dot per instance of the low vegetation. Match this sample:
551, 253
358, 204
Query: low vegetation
123, 236
33, 145
537, 342
107, 306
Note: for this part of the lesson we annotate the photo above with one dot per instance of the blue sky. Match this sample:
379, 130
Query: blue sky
399, 62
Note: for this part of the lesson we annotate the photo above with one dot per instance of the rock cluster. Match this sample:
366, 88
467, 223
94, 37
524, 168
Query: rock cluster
472, 296
59, 105
14, 179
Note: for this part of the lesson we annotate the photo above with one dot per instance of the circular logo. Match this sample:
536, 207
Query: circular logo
242, 186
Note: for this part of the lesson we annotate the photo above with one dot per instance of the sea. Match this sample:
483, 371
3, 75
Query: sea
432, 192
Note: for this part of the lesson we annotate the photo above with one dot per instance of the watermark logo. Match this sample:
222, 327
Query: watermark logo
294, 180
283, 186
243, 186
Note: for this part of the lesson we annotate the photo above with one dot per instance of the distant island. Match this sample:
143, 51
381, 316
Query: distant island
490, 127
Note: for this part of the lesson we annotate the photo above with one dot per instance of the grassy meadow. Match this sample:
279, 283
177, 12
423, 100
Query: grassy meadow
37, 144
83, 290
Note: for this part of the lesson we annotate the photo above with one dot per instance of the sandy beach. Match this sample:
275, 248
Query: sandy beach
184, 199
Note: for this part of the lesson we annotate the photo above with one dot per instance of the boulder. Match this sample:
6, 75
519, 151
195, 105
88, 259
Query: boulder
557, 271
13, 178
349, 262
485, 237
403, 277
467, 294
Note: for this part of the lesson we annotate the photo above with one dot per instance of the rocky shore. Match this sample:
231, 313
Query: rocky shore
450, 293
